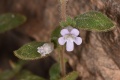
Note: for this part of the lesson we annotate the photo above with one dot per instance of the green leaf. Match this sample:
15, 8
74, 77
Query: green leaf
69, 22
17, 66
23, 75
71, 76
9, 21
6, 75
9, 74
29, 51
26, 75
94, 21
55, 35
55, 72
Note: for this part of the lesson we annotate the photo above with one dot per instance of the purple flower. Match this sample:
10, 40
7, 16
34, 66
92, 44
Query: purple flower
69, 36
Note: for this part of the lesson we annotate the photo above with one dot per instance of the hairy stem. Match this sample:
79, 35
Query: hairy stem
62, 62
63, 9
63, 16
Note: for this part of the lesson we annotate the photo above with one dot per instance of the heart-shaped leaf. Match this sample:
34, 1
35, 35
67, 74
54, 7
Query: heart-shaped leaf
94, 21
71, 76
29, 51
9, 21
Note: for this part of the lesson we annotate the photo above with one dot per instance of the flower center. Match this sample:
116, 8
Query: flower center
69, 37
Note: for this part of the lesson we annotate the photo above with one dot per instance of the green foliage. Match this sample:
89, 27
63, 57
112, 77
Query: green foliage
23, 75
9, 21
71, 76
26, 75
18, 74
17, 66
29, 51
55, 72
6, 75
9, 74
55, 35
94, 21
69, 22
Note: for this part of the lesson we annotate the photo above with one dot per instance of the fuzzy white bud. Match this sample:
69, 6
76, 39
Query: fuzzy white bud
46, 48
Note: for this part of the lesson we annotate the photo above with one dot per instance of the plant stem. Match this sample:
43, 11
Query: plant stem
62, 62
63, 16
63, 9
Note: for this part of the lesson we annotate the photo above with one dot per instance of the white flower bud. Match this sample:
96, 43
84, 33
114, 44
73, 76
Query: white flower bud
46, 48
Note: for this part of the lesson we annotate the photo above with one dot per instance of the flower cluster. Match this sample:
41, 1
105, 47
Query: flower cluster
69, 36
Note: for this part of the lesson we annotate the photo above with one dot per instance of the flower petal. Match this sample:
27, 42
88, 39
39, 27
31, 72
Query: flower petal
75, 32
61, 41
78, 40
69, 46
64, 32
